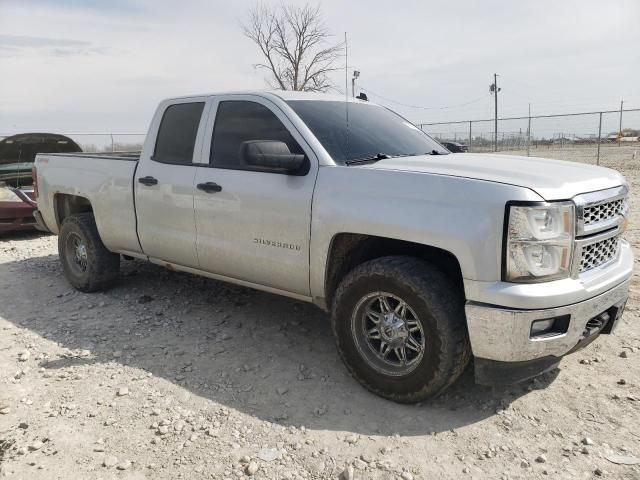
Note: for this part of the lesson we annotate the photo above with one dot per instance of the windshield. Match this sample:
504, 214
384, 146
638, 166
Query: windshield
371, 130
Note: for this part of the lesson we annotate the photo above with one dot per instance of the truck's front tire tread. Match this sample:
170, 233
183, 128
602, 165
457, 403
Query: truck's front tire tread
103, 266
437, 297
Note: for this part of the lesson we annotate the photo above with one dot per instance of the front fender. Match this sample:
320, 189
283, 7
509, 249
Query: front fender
460, 215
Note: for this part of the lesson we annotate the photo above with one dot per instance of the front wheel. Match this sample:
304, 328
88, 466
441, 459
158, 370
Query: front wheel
400, 328
86, 262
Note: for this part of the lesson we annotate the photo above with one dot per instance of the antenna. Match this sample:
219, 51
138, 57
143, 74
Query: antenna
346, 92
346, 66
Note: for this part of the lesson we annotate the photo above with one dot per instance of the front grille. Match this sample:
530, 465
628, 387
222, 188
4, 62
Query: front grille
600, 218
603, 211
599, 253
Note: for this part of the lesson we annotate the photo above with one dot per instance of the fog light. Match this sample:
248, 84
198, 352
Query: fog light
550, 327
541, 326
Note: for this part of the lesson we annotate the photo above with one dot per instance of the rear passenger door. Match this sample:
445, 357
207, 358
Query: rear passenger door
255, 224
164, 183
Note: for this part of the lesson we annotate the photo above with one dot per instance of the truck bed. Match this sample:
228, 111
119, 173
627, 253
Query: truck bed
104, 179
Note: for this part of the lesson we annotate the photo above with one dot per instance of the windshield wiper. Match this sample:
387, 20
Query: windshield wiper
384, 156
374, 158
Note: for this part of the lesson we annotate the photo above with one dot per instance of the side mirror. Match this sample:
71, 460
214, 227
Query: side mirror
270, 154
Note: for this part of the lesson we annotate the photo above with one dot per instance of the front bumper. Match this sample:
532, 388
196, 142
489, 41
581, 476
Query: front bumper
503, 334
501, 338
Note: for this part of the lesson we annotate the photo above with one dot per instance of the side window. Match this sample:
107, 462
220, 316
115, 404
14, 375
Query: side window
241, 121
177, 133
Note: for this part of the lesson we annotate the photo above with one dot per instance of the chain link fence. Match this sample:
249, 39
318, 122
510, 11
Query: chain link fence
610, 138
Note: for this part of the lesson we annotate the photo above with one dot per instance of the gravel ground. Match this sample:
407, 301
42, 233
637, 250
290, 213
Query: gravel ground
168, 375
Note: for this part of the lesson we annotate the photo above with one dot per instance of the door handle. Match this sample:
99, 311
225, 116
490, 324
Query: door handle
148, 181
209, 187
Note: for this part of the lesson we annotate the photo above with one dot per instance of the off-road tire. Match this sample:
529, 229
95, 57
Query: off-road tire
439, 305
102, 266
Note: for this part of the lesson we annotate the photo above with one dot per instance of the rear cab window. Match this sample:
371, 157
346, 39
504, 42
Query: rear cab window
177, 133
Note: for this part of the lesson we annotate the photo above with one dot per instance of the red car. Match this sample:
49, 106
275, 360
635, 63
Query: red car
17, 154
16, 209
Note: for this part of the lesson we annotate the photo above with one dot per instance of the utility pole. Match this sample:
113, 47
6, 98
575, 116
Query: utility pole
495, 98
620, 129
529, 134
599, 139
494, 89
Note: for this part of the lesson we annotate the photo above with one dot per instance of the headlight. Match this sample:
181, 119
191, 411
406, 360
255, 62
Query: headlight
7, 195
539, 242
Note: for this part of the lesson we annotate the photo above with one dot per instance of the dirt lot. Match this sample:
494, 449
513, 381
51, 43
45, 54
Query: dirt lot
169, 375
623, 157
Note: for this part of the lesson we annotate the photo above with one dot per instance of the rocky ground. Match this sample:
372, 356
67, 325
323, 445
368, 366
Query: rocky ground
168, 375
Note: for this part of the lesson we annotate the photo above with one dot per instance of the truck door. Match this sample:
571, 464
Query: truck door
164, 184
252, 223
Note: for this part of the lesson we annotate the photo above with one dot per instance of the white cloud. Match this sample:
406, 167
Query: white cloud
103, 66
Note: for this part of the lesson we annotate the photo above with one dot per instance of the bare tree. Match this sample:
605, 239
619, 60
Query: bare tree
295, 45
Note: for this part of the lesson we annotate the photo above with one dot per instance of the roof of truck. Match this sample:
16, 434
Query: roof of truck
294, 95
283, 94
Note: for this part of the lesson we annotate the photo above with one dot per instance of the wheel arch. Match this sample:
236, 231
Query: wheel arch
348, 250
65, 204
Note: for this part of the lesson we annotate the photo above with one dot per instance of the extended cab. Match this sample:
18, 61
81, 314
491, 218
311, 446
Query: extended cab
423, 257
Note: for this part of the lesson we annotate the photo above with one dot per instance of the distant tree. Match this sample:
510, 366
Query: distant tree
295, 45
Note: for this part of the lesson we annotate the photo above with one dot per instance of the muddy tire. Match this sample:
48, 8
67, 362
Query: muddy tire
86, 262
400, 328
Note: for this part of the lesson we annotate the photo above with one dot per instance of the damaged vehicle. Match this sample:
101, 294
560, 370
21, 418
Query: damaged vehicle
17, 154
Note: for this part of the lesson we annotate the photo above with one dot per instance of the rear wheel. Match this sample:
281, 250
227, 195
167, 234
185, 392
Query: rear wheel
86, 262
400, 328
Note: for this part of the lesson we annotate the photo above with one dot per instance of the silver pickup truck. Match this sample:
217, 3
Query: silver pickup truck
423, 258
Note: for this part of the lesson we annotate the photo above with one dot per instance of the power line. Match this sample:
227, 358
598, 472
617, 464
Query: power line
371, 92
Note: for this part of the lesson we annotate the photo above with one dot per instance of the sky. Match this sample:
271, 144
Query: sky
102, 66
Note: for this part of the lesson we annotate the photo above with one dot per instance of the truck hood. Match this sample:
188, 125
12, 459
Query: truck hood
551, 179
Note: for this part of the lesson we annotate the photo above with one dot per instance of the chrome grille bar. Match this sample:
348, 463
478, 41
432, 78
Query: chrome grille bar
601, 210
600, 217
598, 254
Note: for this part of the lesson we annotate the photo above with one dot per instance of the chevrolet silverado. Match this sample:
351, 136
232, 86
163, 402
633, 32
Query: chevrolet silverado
424, 258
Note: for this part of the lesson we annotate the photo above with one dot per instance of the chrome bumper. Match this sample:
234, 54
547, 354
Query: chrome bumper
504, 334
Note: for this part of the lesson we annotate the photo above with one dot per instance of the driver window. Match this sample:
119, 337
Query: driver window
240, 121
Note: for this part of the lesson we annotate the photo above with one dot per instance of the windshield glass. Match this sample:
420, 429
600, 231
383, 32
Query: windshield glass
371, 130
